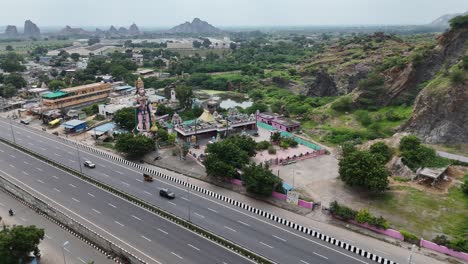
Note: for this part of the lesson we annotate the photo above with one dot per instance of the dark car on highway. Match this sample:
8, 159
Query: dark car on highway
166, 193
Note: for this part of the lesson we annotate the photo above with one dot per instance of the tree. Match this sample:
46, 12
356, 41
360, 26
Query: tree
134, 146
16, 80
184, 95
464, 185
245, 143
218, 168
75, 56
9, 48
196, 44
164, 110
206, 43
410, 142
18, 242
232, 45
223, 158
260, 180
93, 40
362, 169
126, 118
56, 84
459, 22
342, 104
8, 90
11, 62
381, 151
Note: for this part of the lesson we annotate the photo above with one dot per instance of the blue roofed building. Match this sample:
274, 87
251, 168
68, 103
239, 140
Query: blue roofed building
74, 126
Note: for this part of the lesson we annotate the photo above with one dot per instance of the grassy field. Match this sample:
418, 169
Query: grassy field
425, 214
23, 47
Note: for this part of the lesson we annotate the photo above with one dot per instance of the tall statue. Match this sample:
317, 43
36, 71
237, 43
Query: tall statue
144, 109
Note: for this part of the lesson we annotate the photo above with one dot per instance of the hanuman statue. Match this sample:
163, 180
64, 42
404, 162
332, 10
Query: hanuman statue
143, 107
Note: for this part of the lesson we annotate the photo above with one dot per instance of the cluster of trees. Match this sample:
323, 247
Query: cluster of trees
134, 146
224, 159
222, 83
365, 169
118, 65
415, 155
126, 118
11, 84
18, 242
459, 22
11, 62
145, 44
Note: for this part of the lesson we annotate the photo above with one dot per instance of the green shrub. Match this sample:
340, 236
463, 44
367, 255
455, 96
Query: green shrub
271, 150
459, 244
342, 211
363, 216
382, 151
441, 240
457, 76
284, 144
392, 116
409, 142
464, 186
262, 145
379, 222
363, 117
409, 237
99, 117
459, 22
342, 104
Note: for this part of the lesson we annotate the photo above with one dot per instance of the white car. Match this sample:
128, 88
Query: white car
89, 164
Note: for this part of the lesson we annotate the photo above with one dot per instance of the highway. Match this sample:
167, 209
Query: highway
148, 236
279, 243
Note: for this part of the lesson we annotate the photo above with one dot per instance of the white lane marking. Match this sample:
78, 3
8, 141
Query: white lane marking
39, 169
72, 185
320, 255
305, 262
102, 165
66, 249
76, 200
176, 255
43, 148
2, 204
69, 153
184, 198
147, 192
105, 175
55, 177
383, 252
56, 154
162, 231
194, 247
210, 200
49, 237
266, 245
41, 181
2, 151
212, 210
171, 203
112, 205
139, 180
57, 190
230, 229
146, 238
277, 237
29, 143
40, 141
199, 215
119, 223
92, 195
28, 136
25, 173
243, 223
125, 183
136, 217
71, 160
12, 156
25, 162
119, 172
96, 211
80, 259
24, 220
11, 165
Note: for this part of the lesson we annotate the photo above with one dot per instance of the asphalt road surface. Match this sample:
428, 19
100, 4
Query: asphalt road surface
268, 238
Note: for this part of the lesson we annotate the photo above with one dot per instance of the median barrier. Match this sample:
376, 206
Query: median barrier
442, 249
268, 215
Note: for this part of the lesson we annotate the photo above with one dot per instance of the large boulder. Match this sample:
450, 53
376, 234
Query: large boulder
321, 84
31, 29
11, 31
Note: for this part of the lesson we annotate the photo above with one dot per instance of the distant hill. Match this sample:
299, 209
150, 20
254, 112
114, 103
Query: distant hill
443, 21
197, 26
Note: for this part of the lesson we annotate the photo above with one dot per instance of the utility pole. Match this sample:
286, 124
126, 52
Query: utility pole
189, 202
63, 251
78, 155
294, 177
12, 133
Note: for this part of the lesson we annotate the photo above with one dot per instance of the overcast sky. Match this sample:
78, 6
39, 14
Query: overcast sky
163, 13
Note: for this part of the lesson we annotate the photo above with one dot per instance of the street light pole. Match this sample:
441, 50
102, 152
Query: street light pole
63, 251
12, 133
189, 202
78, 155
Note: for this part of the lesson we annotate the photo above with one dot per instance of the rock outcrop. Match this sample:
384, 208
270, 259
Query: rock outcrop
11, 31
133, 30
321, 84
113, 30
197, 26
31, 29
69, 31
443, 21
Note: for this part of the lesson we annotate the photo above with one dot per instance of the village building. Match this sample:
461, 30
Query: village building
278, 121
76, 96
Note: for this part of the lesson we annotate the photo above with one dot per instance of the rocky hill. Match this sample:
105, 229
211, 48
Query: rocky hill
31, 29
11, 31
443, 21
69, 31
197, 26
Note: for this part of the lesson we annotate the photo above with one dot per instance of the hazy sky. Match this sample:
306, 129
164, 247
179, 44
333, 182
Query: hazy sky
162, 13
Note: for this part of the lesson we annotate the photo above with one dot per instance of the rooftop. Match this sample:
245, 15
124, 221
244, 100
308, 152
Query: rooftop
77, 88
54, 95
73, 123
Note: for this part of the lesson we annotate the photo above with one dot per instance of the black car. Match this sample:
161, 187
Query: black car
166, 193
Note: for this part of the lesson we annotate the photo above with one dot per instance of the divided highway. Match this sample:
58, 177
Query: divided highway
148, 236
261, 235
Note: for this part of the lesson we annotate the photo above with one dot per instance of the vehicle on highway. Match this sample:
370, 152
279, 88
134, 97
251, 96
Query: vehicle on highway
166, 193
147, 177
89, 164
24, 121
